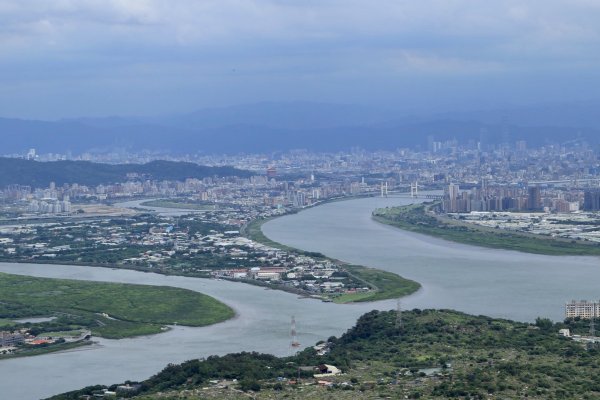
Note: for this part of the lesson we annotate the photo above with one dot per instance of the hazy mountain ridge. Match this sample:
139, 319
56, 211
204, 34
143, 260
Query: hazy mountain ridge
582, 114
266, 127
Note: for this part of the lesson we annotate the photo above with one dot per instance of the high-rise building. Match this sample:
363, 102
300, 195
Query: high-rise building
453, 190
451, 204
534, 201
582, 309
591, 200
271, 172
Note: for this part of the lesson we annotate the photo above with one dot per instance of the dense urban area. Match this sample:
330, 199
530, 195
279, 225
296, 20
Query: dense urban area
209, 226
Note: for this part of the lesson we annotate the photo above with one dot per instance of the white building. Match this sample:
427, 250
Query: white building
582, 309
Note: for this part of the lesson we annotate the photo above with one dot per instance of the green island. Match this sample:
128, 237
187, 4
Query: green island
429, 354
419, 219
178, 204
385, 285
110, 310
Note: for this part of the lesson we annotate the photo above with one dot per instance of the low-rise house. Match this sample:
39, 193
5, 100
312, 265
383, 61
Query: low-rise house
10, 339
325, 370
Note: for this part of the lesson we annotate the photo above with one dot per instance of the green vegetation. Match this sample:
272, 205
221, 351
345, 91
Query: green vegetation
110, 310
432, 354
40, 174
385, 285
416, 218
172, 203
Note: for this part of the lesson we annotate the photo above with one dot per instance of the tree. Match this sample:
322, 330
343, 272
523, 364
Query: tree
249, 385
544, 324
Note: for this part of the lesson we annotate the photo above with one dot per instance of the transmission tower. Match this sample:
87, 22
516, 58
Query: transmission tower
592, 327
398, 315
293, 334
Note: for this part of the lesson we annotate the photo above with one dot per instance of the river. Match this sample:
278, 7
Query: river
477, 280
471, 279
262, 324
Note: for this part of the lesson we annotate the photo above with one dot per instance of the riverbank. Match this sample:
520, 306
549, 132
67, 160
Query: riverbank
56, 348
418, 219
166, 203
383, 285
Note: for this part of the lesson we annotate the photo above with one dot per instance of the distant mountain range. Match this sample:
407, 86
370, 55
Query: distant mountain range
268, 127
40, 174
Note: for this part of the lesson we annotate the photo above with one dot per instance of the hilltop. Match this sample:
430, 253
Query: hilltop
40, 174
433, 354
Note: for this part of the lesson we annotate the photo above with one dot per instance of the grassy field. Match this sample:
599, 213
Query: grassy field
178, 205
109, 309
414, 218
387, 285
62, 334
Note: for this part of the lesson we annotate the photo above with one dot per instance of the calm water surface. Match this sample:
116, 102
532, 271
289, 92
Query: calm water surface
476, 280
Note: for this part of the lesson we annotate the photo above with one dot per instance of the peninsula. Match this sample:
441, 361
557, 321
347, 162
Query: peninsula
419, 218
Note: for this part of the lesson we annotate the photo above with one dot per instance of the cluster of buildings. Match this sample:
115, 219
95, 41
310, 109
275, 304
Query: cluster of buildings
257, 190
515, 198
503, 177
297, 271
435, 161
244, 259
575, 226
12, 341
49, 206
203, 243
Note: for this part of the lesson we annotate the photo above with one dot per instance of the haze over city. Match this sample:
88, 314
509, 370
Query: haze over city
267, 199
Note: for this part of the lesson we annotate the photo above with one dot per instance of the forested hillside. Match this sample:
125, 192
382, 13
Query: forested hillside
40, 174
426, 354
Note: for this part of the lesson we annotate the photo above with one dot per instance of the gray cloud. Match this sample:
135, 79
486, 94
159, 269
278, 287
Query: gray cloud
163, 56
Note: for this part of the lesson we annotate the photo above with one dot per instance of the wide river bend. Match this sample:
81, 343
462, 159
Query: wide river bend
476, 280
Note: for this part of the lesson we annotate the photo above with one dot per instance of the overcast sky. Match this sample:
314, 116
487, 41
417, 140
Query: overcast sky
65, 58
